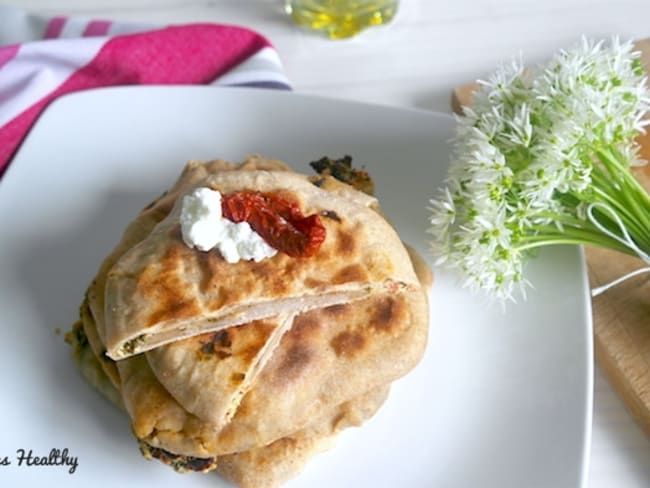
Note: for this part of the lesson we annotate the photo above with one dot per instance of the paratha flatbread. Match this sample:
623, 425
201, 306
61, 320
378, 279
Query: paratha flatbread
329, 355
270, 466
155, 410
209, 374
326, 358
161, 290
141, 227
262, 467
184, 385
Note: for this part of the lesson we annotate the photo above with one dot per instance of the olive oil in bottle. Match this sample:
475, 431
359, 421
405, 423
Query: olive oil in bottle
339, 19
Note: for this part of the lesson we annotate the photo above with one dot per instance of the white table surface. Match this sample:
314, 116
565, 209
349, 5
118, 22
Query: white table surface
429, 48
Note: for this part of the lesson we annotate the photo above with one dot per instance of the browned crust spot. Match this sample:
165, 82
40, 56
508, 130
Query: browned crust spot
388, 314
351, 273
236, 378
203, 264
208, 351
228, 342
160, 281
222, 338
348, 344
313, 283
174, 307
219, 346
273, 275
336, 310
248, 354
346, 243
304, 327
295, 362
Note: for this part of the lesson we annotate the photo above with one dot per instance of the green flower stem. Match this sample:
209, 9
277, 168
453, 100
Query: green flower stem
630, 202
550, 241
571, 235
624, 166
636, 193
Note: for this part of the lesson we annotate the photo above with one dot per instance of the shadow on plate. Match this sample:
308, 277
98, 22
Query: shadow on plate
55, 271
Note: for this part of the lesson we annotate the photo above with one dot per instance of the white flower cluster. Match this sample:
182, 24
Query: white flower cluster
524, 158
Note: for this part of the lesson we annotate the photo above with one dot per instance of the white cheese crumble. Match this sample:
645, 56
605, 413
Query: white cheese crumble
204, 228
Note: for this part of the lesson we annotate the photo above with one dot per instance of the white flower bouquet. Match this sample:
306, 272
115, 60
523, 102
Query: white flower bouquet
543, 157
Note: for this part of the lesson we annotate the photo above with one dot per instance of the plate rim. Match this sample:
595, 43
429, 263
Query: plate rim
59, 104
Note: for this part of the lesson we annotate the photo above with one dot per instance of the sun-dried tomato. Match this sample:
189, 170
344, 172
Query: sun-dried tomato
280, 222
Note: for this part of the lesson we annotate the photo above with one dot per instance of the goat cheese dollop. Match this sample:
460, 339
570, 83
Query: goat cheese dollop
203, 227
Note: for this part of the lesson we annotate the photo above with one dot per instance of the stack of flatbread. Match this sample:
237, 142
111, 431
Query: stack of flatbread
250, 368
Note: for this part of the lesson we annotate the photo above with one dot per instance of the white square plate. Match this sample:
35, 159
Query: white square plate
501, 399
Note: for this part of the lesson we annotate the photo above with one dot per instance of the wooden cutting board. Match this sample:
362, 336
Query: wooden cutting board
621, 315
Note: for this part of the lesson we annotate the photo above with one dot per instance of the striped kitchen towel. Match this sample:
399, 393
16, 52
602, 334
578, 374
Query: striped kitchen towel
43, 58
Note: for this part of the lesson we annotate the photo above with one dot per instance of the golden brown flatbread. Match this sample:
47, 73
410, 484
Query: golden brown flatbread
140, 228
262, 467
161, 290
276, 409
270, 466
209, 374
326, 358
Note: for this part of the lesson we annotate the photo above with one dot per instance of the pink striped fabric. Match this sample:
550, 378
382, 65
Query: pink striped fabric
97, 28
54, 28
8, 52
80, 55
